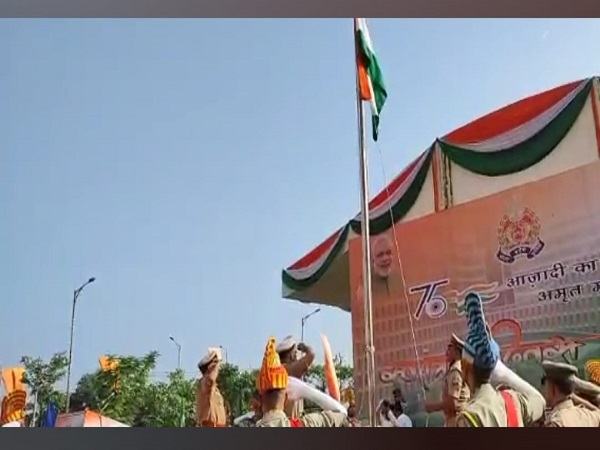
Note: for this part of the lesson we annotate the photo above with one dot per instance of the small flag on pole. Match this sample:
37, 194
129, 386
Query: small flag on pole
370, 79
50, 416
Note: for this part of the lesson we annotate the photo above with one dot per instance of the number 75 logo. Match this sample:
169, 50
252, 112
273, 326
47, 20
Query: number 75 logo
432, 303
436, 305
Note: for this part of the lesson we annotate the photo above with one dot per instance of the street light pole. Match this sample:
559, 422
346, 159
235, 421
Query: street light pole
172, 339
224, 351
178, 345
76, 294
304, 319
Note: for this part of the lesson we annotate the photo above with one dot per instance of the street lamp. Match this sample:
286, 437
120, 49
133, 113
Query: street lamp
76, 294
304, 319
178, 345
172, 339
224, 351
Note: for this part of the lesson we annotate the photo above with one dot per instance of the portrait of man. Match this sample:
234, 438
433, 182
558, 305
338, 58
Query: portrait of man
386, 282
382, 256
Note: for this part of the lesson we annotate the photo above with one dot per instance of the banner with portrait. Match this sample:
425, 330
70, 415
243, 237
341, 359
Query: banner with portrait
531, 252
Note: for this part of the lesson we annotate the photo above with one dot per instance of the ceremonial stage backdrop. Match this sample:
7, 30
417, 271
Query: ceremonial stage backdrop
532, 252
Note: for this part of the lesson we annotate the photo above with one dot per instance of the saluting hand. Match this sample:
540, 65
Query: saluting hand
302, 347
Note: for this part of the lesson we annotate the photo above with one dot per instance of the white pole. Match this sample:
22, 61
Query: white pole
365, 232
34, 418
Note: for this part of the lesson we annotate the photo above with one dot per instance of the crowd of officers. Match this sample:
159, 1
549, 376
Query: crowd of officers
569, 400
467, 400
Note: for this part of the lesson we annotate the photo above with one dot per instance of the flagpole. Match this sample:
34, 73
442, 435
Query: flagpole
365, 233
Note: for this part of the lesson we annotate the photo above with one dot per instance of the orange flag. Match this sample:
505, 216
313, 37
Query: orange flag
12, 377
13, 406
333, 385
108, 364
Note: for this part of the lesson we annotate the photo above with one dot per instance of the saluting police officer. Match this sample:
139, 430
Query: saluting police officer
559, 387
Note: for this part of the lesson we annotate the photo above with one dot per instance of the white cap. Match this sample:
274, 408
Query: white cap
286, 344
211, 354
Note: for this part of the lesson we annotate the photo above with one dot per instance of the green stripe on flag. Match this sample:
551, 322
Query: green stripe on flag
370, 62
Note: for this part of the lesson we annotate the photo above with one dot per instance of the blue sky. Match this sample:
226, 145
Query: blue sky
185, 162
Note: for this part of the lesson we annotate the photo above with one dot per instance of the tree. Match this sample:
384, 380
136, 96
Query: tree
237, 387
127, 394
345, 374
169, 404
90, 392
119, 393
42, 377
316, 377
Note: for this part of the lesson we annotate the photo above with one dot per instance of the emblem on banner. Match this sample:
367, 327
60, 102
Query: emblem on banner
519, 235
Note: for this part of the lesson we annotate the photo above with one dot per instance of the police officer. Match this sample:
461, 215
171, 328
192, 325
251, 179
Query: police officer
559, 387
455, 392
272, 386
489, 407
586, 393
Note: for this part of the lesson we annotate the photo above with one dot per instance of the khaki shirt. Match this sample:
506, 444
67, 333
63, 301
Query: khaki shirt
457, 390
566, 414
487, 408
325, 419
210, 406
294, 409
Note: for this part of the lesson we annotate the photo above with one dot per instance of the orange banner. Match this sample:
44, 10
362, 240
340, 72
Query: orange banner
13, 406
531, 252
108, 364
12, 378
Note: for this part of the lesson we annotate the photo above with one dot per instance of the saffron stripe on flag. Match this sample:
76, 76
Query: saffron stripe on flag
371, 86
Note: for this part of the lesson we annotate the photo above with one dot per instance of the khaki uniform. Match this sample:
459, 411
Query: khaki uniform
487, 408
210, 406
293, 409
456, 389
566, 414
588, 391
325, 419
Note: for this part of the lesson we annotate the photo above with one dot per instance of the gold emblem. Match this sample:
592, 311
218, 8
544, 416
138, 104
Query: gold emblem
519, 235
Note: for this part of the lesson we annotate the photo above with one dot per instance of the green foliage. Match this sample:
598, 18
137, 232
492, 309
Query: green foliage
168, 404
129, 384
42, 378
130, 395
237, 387
316, 377
345, 374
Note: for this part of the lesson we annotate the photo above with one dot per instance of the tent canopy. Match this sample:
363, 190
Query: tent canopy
87, 419
508, 141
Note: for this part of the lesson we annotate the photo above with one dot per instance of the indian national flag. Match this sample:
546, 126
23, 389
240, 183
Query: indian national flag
370, 79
